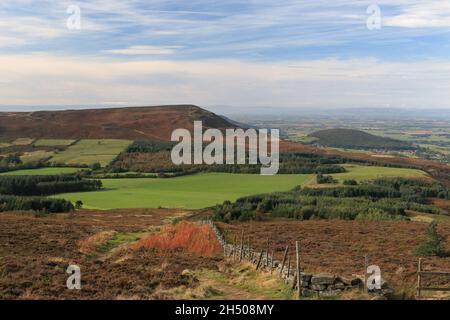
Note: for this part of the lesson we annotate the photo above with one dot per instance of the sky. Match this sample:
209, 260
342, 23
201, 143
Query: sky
296, 54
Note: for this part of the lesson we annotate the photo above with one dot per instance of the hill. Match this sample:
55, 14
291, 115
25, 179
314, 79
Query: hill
356, 139
153, 123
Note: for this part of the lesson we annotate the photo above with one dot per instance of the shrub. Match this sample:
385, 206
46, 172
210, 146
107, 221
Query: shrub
186, 236
434, 243
321, 179
350, 183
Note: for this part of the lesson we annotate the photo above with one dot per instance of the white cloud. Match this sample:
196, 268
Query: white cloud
146, 50
10, 41
421, 14
46, 79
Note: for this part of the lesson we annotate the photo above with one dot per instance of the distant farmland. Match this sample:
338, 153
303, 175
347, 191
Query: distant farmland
53, 142
191, 192
363, 173
41, 171
91, 151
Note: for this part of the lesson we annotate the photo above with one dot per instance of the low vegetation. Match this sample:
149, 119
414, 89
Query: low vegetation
53, 142
383, 199
41, 171
184, 236
37, 204
355, 139
46, 185
433, 245
92, 151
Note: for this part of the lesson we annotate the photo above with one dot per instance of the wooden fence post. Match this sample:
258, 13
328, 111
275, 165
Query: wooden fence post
284, 260
271, 261
235, 248
419, 277
299, 276
259, 260
267, 253
242, 246
289, 266
249, 249
366, 264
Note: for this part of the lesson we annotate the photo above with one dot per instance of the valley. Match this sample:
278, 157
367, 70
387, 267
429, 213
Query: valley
109, 199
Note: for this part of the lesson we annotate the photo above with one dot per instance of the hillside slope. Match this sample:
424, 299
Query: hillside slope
154, 123
356, 139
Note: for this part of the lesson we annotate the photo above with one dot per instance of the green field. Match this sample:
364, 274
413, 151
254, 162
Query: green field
192, 192
53, 142
36, 156
41, 172
23, 141
91, 151
362, 173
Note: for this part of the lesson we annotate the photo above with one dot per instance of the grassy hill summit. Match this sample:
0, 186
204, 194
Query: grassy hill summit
356, 139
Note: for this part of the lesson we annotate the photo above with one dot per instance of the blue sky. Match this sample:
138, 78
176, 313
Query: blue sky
303, 54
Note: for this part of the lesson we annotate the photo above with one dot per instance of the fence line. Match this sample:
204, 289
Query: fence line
421, 273
305, 284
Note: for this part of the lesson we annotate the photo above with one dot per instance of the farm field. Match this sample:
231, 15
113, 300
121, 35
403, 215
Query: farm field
362, 173
339, 246
196, 191
23, 141
33, 156
90, 151
53, 142
40, 171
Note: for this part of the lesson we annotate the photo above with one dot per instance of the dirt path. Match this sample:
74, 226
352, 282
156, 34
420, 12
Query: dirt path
240, 282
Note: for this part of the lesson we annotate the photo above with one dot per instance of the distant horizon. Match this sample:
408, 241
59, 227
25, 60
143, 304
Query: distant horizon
112, 106
248, 110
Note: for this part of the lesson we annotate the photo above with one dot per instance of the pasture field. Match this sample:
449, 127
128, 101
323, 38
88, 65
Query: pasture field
36, 156
23, 141
40, 172
90, 151
53, 142
192, 192
364, 173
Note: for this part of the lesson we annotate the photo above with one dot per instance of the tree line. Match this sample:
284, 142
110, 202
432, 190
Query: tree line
383, 199
46, 185
17, 203
23, 193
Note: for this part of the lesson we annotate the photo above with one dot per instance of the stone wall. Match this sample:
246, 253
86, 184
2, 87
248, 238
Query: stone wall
311, 284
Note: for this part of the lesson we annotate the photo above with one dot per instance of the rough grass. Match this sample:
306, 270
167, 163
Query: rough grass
40, 172
23, 141
87, 151
231, 281
91, 244
53, 142
192, 192
363, 173
34, 156
119, 239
